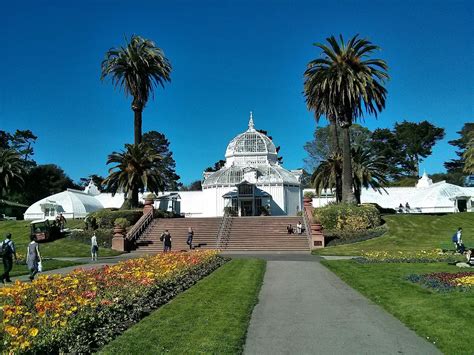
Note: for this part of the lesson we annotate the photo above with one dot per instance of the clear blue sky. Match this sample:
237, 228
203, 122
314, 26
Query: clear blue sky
228, 57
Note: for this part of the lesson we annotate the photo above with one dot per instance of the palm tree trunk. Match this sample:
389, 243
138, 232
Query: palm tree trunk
137, 124
347, 193
134, 198
336, 149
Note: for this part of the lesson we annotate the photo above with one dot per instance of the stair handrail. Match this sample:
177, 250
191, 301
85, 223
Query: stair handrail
141, 226
307, 225
222, 228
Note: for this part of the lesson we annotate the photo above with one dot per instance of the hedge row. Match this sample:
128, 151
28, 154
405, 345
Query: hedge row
106, 217
337, 237
104, 236
347, 217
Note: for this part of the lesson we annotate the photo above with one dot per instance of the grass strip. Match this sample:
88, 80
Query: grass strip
412, 233
445, 319
211, 317
63, 247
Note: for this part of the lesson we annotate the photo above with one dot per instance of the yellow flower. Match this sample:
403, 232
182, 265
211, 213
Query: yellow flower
34, 332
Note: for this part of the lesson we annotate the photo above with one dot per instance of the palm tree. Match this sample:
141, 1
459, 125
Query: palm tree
326, 175
344, 83
137, 68
369, 170
137, 169
11, 170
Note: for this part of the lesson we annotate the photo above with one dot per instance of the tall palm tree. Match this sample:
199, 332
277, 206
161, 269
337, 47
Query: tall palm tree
345, 82
369, 170
11, 170
137, 68
137, 169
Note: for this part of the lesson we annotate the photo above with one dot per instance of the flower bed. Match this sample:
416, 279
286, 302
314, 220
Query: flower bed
421, 256
83, 310
445, 281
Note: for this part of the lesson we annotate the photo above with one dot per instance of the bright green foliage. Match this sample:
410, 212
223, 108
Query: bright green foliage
347, 217
105, 218
122, 222
138, 168
209, 318
412, 233
11, 170
444, 319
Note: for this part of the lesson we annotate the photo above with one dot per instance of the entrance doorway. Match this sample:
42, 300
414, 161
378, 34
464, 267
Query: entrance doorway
246, 208
462, 205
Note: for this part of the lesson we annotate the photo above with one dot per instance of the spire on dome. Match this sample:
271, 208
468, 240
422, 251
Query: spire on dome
251, 125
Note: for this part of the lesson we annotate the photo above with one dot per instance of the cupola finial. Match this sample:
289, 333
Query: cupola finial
251, 125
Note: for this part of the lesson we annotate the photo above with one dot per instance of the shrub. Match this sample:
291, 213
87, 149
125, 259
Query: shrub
309, 194
105, 218
122, 222
338, 237
104, 237
347, 217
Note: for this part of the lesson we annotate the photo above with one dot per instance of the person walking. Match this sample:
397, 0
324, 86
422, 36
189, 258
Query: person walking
166, 238
457, 240
94, 247
33, 257
8, 252
189, 241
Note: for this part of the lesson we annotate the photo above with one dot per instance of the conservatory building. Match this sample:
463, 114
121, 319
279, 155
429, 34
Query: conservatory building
252, 182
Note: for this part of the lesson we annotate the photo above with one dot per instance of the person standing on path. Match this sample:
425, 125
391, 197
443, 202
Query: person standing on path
189, 241
8, 252
33, 257
94, 247
166, 241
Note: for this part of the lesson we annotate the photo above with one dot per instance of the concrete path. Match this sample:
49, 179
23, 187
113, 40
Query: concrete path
306, 309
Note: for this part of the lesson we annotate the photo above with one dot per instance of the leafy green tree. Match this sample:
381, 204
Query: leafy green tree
161, 145
5, 138
416, 141
457, 165
96, 179
217, 166
22, 142
137, 68
137, 169
44, 180
326, 174
383, 142
345, 82
469, 155
11, 171
194, 186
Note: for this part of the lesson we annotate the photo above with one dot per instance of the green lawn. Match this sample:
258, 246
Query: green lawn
50, 264
443, 318
64, 247
412, 232
211, 317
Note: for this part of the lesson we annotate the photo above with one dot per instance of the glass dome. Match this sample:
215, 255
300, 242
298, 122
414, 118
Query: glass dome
250, 148
252, 152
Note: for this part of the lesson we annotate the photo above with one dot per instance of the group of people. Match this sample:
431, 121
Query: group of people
407, 208
8, 252
166, 239
299, 228
460, 248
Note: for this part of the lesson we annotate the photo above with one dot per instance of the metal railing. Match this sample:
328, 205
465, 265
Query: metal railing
140, 227
223, 231
307, 226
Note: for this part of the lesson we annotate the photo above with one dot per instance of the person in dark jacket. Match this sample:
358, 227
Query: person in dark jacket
189, 241
9, 252
166, 241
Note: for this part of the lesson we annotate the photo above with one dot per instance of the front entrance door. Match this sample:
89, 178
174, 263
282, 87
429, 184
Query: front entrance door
462, 205
246, 208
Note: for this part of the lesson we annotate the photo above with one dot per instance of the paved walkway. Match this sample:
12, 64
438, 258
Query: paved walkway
305, 309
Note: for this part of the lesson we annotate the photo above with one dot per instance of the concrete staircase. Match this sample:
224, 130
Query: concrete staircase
244, 234
264, 234
205, 232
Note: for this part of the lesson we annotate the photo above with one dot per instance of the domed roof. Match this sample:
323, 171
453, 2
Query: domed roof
252, 144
